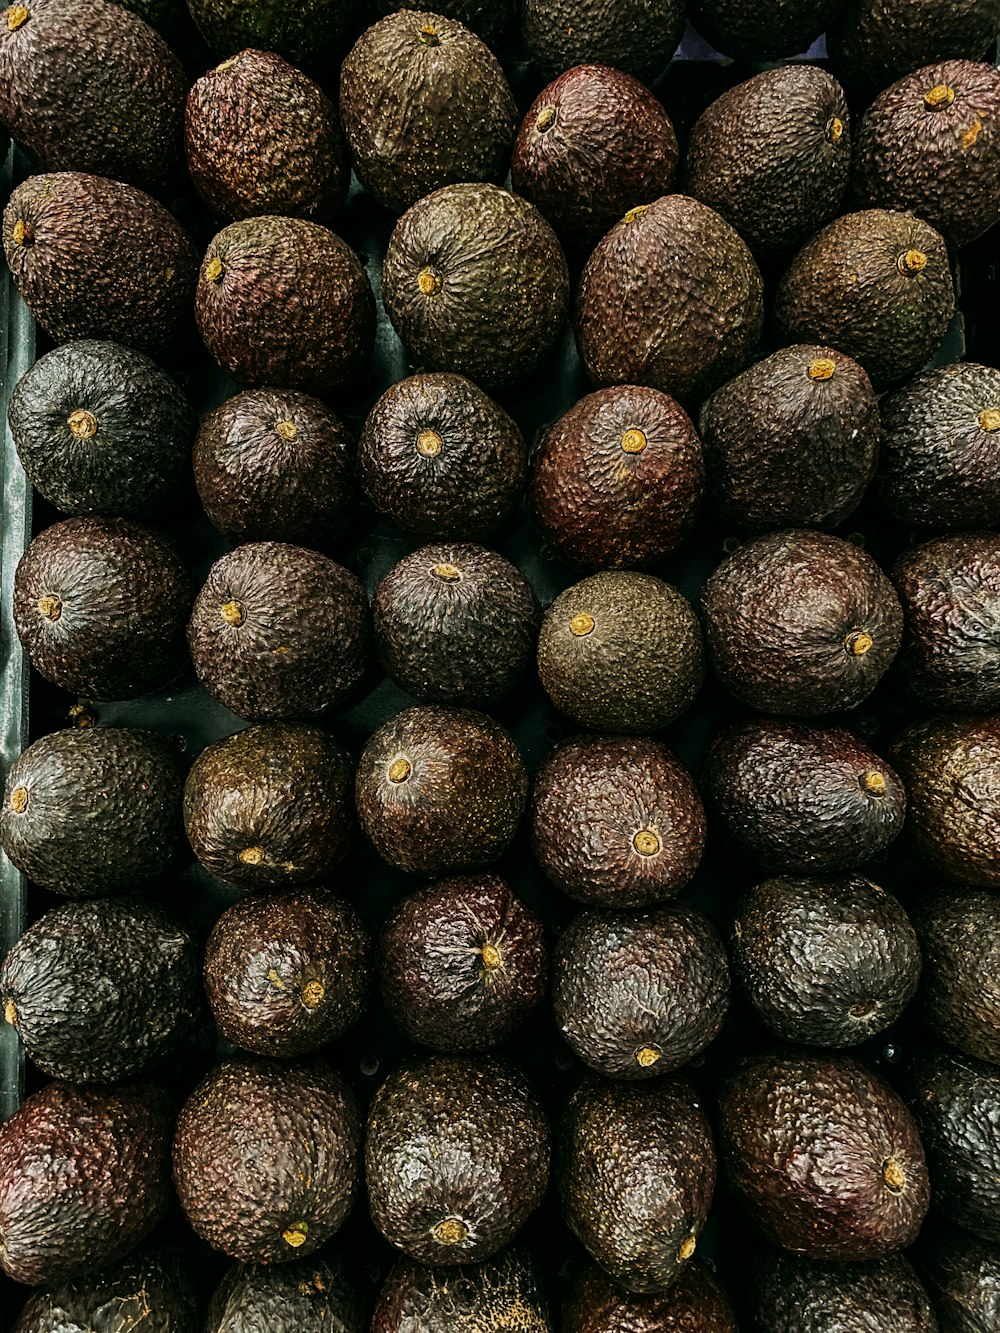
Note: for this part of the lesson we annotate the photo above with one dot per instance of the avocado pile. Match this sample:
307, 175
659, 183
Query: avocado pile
510, 825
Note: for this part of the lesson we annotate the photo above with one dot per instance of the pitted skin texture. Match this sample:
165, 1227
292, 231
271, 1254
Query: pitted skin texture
282, 789
796, 1295
963, 1276
487, 18
310, 33
287, 972
317, 1296
824, 1155
120, 594
618, 481
297, 637
781, 615
882, 40
505, 1295
498, 284
852, 286
636, 1174
825, 962
959, 931
267, 1150
84, 1177
637, 36
694, 1303
456, 1140
462, 963
70, 834
102, 990
671, 298
62, 235
768, 30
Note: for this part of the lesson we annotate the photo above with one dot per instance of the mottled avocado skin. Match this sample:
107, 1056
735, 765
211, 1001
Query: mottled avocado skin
505, 1293
694, 1303
486, 18
795, 1295
310, 33
292, 1298
963, 1277
877, 41
959, 932
767, 30
638, 36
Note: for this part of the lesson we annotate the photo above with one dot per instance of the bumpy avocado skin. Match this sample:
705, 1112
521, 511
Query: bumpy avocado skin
487, 18
638, 36
877, 41
505, 1293
796, 1295
959, 932
694, 1303
963, 1276
316, 1294
310, 34
772, 30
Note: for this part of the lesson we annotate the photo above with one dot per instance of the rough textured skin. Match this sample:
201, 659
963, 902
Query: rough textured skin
271, 806
636, 1174
594, 798
456, 1158
315, 1297
126, 455
826, 962
439, 789
115, 109
638, 36
84, 1177
768, 30
284, 302
672, 298
267, 1158
963, 1277
462, 963
792, 442
275, 465
287, 973
881, 40
62, 235
98, 810
636, 668
824, 1155
486, 18
100, 605
310, 33
772, 155
959, 931
279, 631
461, 490
782, 615
694, 1303
801, 799
505, 1294
101, 991
497, 285
594, 144
618, 480
455, 624
794, 1295
853, 286
939, 465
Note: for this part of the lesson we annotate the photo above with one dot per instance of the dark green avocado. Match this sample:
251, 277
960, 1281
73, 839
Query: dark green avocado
694, 1303
300, 1297
959, 931
795, 1295
765, 30
637, 36
310, 34
875, 42
962, 1275
456, 1158
505, 1293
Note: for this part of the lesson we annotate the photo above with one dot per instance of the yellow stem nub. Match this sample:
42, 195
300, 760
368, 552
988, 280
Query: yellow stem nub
50, 607
858, 642
874, 783
22, 233
16, 15
821, 369
492, 958
634, 213
989, 419
913, 261
633, 441
312, 993
687, 1249
447, 572
450, 1232
581, 624
893, 1175
834, 129
214, 269
647, 1056
19, 800
429, 281
10, 1013
938, 96
399, 770
286, 429
251, 856
296, 1234
82, 424
546, 119
646, 842
233, 613
428, 35
429, 444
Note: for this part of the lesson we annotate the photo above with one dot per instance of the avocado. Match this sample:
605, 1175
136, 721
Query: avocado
315, 1295
772, 155
963, 1277
455, 624
475, 281
261, 138
271, 806
284, 303
800, 623
100, 428
94, 810
488, 19
267, 1158
456, 1158
636, 1170
640, 994
278, 631
792, 441
84, 1177
504, 1293
772, 30
163, 15
796, 1295
616, 821
637, 36
824, 1155
694, 1303
100, 606
875, 285
309, 34
440, 789
802, 799
621, 651
461, 963
618, 480
595, 142
826, 962
441, 459
62, 235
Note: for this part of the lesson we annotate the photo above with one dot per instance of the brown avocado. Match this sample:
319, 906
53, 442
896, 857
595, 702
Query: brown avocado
766, 30
694, 1303
316, 1294
959, 931
505, 1293
487, 18
878, 41
637, 36
796, 1295
962, 1275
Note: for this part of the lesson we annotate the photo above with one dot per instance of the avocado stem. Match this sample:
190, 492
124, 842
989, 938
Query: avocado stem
834, 129
939, 96
286, 429
19, 800
251, 856
633, 441
873, 782
50, 607
635, 213
858, 642
646, 842
82, 423
913, 261
687, 1248
581, 624
296, 1234
893, 1175
449, 573
214, 269
399, 771
16, 15
312, 993
233, 612
429, 281
492, 958
546, 119
428, 36
10, 1013
22, 233
429, 444
822, 368
989, 419
450, 1232
647, 1056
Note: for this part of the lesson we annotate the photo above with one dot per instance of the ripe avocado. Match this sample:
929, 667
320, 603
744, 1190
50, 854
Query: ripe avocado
505, 1293
301, 1297
694, 1303
310, 33
963, 1277
766, 30
795, 1295
487, 18
877, 41
637, 36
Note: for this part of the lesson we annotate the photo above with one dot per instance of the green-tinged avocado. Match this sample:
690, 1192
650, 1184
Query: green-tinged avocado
314, 1296
959, 932
456, 1158
694, 1303
963, 1277
100, 606
267, 1158
462, 963
621, 651
636, 1173
440, 789
84, 1177
792, 442
672, 298
767, 30
279, 631
796, 1295
94, 810
455, 624
475, 281
800, 623
877, 41
825, 962
824, 1155
310, 33
504, 1293
638, 36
